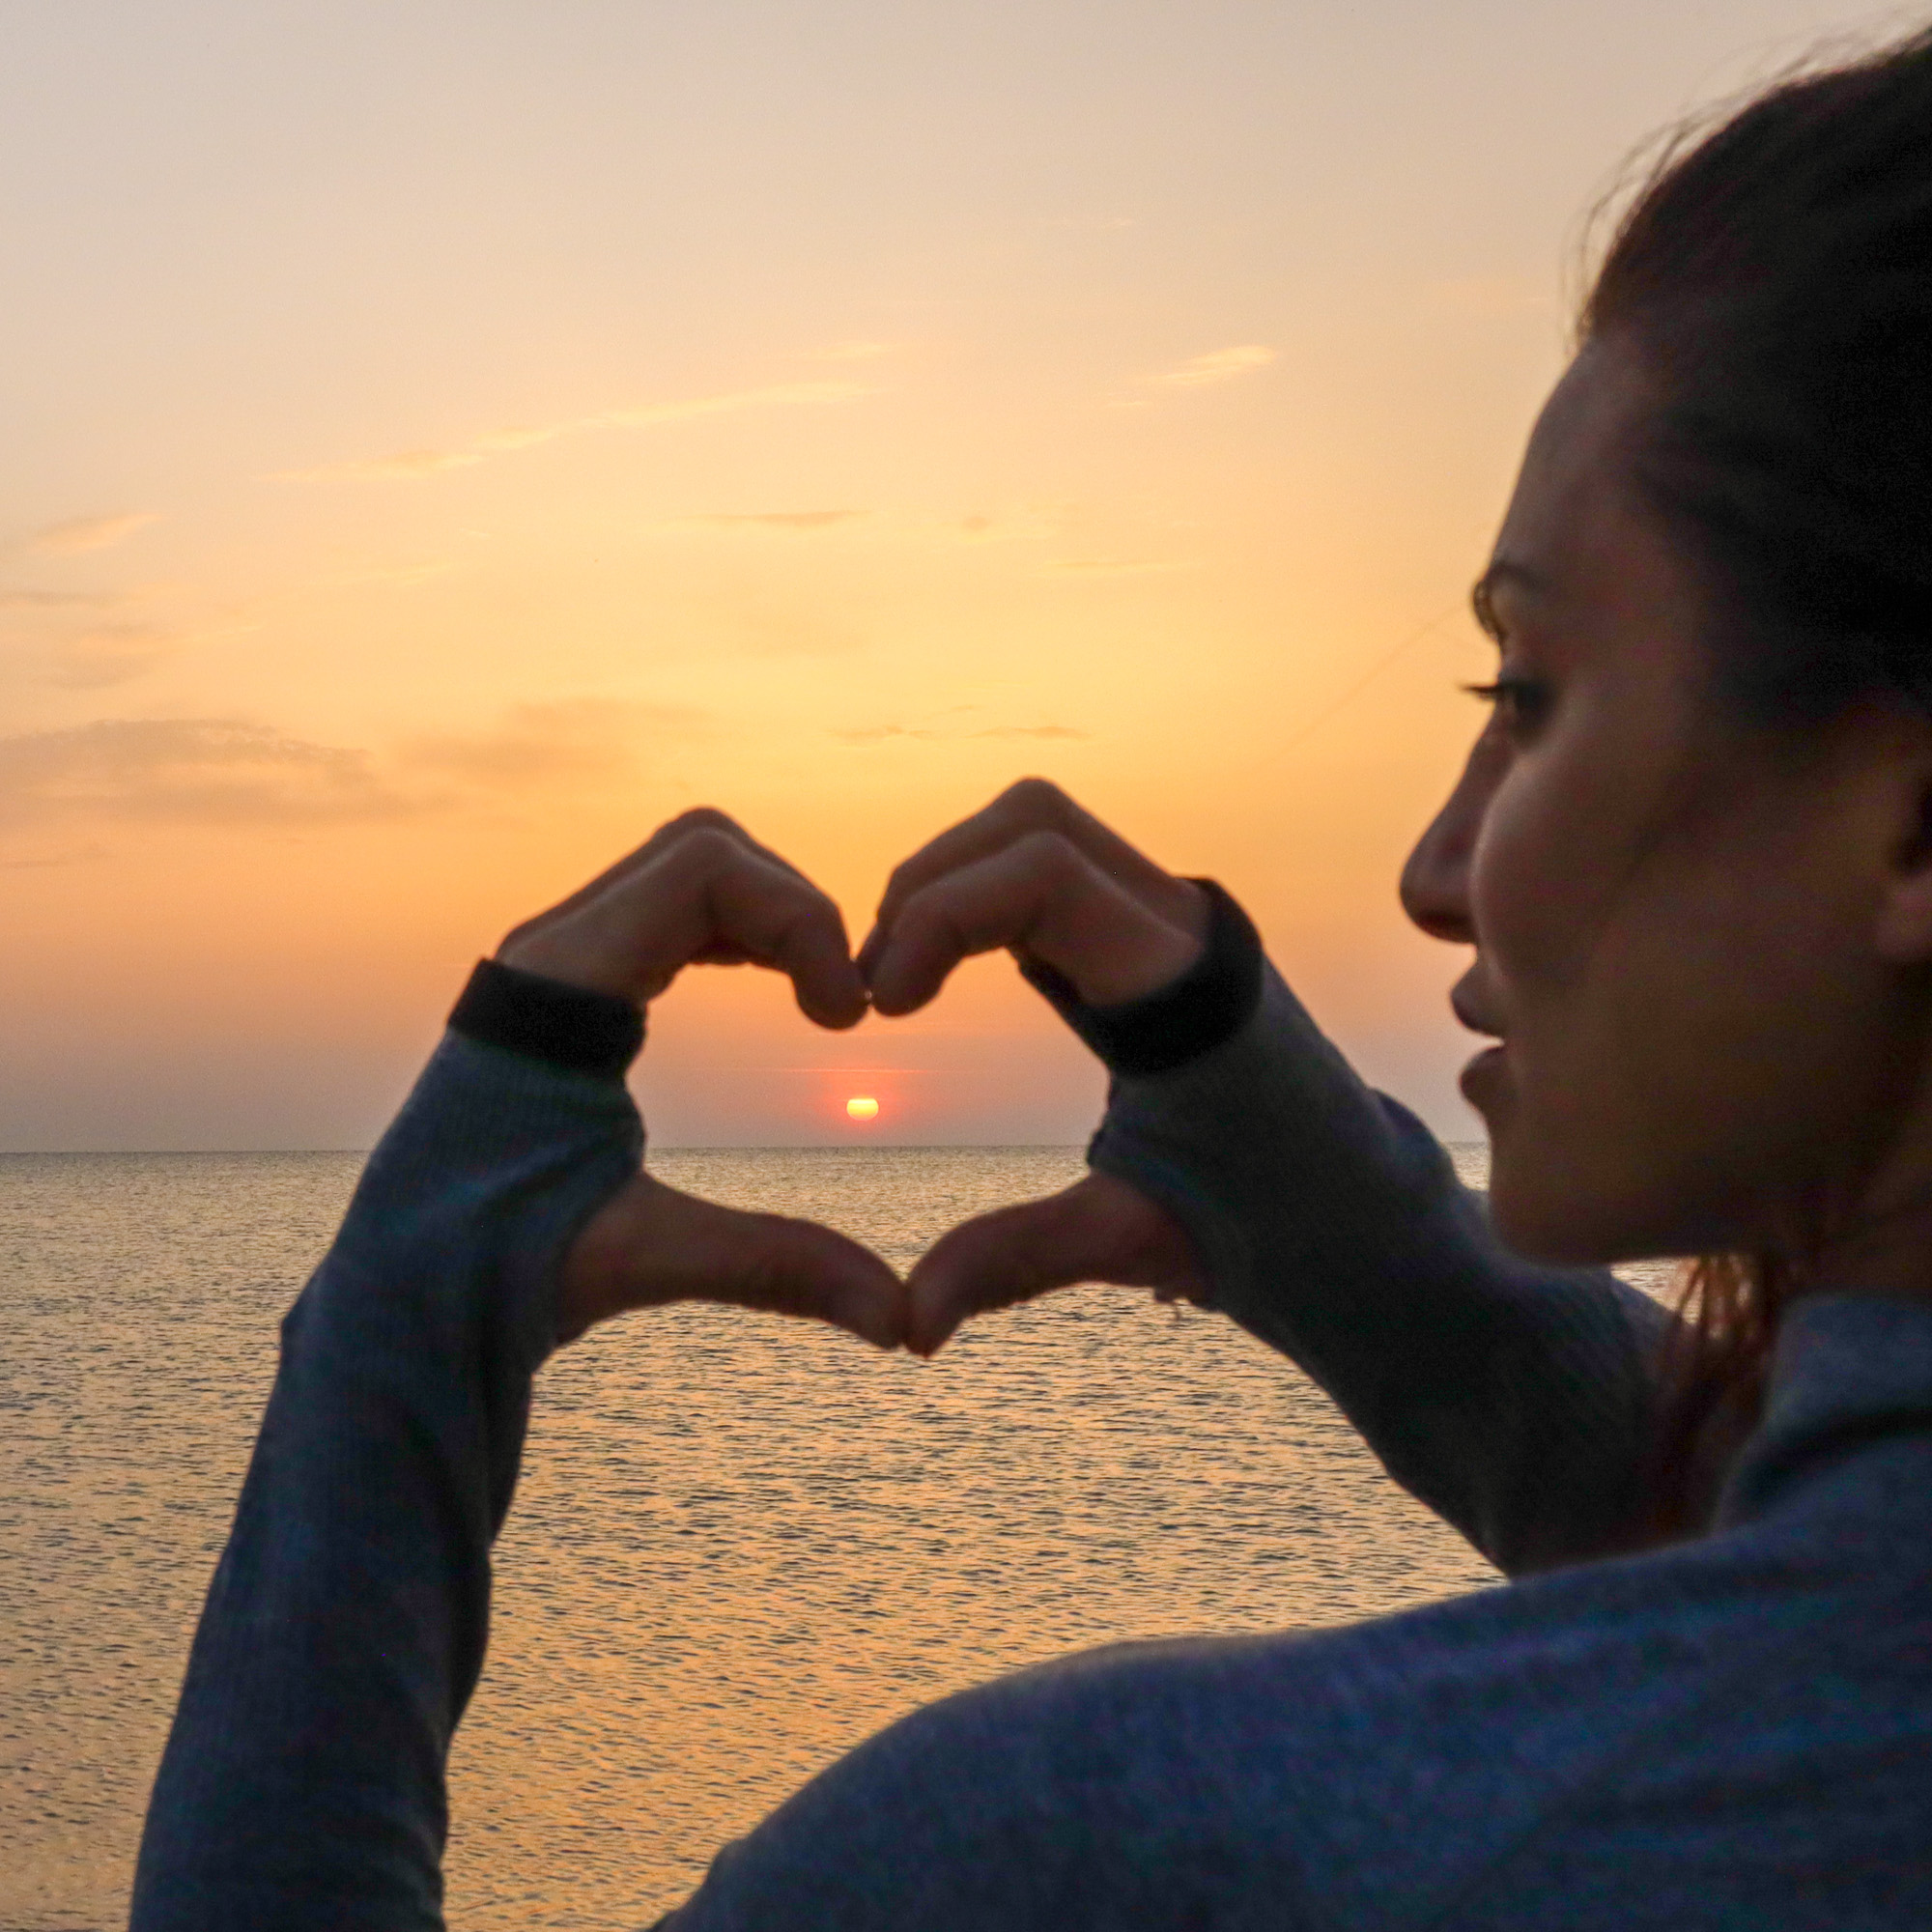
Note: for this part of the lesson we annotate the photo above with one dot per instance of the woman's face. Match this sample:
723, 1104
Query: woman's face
1672, 909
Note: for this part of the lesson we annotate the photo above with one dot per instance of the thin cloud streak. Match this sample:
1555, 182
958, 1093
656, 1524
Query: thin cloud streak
76, 534
187, 771
413, 464
1219, 365
877, 734
1108, 566
138, 772
573, 741
108, 654
57, 600
796, 521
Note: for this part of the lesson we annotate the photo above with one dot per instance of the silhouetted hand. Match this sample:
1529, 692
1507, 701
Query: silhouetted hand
1098, 1230
701, 889
1034, 873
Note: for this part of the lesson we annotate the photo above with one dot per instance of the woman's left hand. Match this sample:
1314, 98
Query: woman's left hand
701, 889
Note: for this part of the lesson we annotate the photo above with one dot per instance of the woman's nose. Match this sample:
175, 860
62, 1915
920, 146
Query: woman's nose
1435, 880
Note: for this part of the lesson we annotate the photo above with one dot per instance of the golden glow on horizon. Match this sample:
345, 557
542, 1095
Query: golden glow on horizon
861, 1107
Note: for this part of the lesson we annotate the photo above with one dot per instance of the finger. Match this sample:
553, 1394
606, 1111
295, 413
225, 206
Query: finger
699, 818
653, 1245
706, 893
1099, 1230
776, 918
1044, 897
1032, 804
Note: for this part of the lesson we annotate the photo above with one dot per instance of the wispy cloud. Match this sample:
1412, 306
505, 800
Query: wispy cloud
1108, 566
187, 771
44, 862
412, 465
75, 534
576, 741
132, 773
41, 601
1030, 523
1218, 365
82, 641
107, 654
796, 521
876, 734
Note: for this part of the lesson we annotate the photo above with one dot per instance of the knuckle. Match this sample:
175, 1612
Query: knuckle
699, 818
1036, 802
706, 848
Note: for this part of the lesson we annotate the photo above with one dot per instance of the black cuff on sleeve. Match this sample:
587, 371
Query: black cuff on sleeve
531, 1013
1208, 1004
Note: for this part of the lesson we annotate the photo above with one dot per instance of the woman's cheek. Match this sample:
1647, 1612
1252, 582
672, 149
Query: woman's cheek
1515, 885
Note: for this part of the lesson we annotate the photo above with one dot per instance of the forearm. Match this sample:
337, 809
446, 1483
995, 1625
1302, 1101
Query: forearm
1515, 1401
304, 1781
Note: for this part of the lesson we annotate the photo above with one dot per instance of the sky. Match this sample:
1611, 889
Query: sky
444, 440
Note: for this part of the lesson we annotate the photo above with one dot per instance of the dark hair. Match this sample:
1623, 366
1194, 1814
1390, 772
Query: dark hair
1774, 277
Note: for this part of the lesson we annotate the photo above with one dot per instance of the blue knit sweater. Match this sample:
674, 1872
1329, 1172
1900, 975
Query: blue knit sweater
1733, 1732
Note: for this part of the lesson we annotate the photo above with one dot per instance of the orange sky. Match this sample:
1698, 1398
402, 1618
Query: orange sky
443, 441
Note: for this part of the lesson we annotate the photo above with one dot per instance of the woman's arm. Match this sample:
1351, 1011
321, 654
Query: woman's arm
1242, 1163
302, 1785
1517, 1401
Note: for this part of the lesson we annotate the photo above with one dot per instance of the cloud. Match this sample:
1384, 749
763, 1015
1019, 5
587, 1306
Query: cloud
1108, 566
187, 771
57, 600
874, 734
44, 862
1031, 523
397, 575
412, 465
1218, 365
547, 744
71, 641
83, 533
767, 520
235, 773
108, 654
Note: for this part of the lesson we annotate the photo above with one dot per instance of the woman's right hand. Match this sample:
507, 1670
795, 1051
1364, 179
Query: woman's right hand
701, 889
1036, 874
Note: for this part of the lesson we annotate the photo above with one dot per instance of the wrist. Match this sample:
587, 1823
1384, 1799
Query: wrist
542, 1017
1189, 1014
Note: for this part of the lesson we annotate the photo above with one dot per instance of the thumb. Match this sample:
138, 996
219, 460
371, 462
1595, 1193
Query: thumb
652, 1244
1098, 1230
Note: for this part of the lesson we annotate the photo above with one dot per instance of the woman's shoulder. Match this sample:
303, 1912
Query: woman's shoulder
1362, 1770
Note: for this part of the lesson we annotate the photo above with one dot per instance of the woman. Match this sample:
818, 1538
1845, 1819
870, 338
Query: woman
1693, 852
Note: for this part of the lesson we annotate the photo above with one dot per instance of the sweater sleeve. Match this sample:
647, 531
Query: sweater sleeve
1516, 1401
303, 1784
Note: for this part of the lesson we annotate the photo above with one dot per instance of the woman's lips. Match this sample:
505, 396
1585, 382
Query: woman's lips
1484, 1076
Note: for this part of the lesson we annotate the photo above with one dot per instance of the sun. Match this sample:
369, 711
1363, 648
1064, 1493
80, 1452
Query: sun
861, 1107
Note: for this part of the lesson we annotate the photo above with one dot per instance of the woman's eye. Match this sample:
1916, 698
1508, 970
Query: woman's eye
1519, 702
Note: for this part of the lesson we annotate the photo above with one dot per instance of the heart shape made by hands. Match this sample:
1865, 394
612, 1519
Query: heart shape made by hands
1032, 874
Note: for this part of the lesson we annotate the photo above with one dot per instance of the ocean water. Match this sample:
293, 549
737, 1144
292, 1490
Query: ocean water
740, 1544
